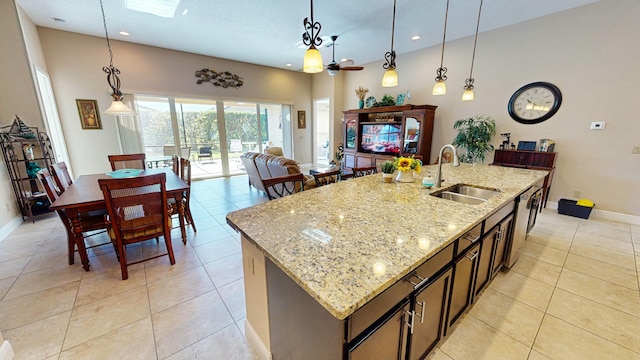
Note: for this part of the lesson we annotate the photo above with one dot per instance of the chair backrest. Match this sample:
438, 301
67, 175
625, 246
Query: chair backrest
185, 152
127, 161
326, 178
261, 164
362, 171
175, 163
61, 175
274, 150
235, 145
447, 157
280, 186
205, 150
49, 185
137, 206
185, 170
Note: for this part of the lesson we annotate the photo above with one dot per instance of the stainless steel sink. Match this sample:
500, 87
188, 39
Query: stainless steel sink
466, 194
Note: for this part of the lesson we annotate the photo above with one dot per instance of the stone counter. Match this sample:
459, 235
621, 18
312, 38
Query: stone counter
347, 242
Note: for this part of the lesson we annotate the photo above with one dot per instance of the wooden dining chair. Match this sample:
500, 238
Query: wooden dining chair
175, 162
326, 178
92, 222
362, 171
61, 175
138, 211
281, 186
184, 171
127, 161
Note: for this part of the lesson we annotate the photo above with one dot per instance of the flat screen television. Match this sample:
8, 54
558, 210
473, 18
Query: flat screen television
381, 138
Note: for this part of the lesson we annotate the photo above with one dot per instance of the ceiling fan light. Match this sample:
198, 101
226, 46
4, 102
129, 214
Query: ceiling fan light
332, 72
468, 95
312, 61
390, 78
440, 88
119, 108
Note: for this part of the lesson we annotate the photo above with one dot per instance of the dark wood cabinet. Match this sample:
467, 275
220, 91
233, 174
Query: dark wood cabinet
492, 252
536, 160
464, 269
372, 136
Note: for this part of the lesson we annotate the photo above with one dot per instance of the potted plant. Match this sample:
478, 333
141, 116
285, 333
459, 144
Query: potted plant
388, 168
406, 167
474, 135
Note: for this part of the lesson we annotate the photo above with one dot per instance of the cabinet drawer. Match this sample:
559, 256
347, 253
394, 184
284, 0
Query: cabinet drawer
469, 238
378, 306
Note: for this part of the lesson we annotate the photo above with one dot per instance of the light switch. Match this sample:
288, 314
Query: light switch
597, 125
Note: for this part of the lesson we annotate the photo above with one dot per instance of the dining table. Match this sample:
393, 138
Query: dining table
85, 195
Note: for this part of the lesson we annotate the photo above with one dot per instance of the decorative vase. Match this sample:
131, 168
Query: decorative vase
405, 176
361, 104
388, 178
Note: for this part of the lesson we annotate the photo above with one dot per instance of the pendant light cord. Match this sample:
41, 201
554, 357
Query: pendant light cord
104, 22
475, 41
393, 24
444, 35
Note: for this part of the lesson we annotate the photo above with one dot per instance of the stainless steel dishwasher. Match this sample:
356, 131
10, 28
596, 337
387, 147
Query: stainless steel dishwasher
526, 210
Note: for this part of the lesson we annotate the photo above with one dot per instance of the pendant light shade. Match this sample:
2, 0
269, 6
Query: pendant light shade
390, 77
312, 61
440, 88
117, 107
311, 38
468, 83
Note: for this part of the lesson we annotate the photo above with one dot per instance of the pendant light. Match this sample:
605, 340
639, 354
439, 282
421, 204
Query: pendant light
390, 77
117, 106
440, 88
468, 95
311, 38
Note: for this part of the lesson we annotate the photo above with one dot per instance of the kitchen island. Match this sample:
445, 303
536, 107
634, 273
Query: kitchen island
313, 262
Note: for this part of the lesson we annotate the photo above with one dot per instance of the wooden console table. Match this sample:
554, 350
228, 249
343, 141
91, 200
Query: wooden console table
536, 160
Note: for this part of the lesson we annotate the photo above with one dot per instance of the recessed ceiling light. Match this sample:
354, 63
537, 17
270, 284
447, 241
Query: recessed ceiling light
58, 20
185, 12
124, 33
289, 65
344, 59
415, 37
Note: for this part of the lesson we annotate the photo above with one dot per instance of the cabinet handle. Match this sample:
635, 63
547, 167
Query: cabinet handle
421, 311
472, 257
410, 323
470, 238
419, 284
499, 235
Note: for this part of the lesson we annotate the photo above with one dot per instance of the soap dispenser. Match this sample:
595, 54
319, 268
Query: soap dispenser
428, 181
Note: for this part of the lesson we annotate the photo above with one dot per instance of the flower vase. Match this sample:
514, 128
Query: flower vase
405, 176
361, 104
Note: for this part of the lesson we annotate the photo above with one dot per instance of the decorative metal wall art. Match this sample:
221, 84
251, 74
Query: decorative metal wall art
223, 78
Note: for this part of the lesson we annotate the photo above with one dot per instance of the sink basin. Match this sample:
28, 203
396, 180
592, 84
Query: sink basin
466, 194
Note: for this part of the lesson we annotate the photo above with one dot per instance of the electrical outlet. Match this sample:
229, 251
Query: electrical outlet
577, 193
597, 125
635, 150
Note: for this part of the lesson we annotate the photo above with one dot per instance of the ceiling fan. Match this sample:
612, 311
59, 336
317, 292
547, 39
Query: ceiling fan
333, 67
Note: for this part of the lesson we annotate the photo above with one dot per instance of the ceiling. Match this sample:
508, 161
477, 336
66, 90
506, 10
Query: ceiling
270, 32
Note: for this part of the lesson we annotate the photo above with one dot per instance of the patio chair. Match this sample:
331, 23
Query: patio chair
235, 145
204, 152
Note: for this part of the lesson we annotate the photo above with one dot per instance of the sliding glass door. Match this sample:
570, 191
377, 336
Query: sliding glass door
213, 134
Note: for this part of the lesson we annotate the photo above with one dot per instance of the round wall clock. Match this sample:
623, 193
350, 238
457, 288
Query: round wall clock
534, 103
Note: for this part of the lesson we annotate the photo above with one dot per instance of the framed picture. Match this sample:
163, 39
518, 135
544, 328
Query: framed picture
89, 115
302, 119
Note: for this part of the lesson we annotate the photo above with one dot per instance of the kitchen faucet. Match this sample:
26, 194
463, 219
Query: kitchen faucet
456, 162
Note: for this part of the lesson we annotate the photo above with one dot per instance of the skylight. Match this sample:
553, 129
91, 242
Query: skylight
162, 8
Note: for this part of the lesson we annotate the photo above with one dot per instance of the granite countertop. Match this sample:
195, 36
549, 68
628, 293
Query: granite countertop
347, 242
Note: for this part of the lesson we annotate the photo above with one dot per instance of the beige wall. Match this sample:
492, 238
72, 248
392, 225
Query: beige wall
590, 53
17, 94
75, 65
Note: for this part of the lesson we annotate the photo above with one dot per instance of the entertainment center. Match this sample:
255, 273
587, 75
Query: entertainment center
377, 134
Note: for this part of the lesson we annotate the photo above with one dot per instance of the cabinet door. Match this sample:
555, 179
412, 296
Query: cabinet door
487, 247
503, 236
430, 310
386, 340
463, 275
351, 131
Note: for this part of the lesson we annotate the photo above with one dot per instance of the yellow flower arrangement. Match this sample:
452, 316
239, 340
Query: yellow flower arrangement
408, 163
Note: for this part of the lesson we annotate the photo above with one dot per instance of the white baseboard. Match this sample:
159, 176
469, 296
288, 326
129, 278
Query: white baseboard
9, 227
6, 351
255, 343
605, 215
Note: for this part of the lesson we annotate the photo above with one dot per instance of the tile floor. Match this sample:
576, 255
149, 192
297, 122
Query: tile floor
572, 295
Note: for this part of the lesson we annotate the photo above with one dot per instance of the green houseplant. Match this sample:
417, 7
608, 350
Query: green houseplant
388, 168
474, 135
